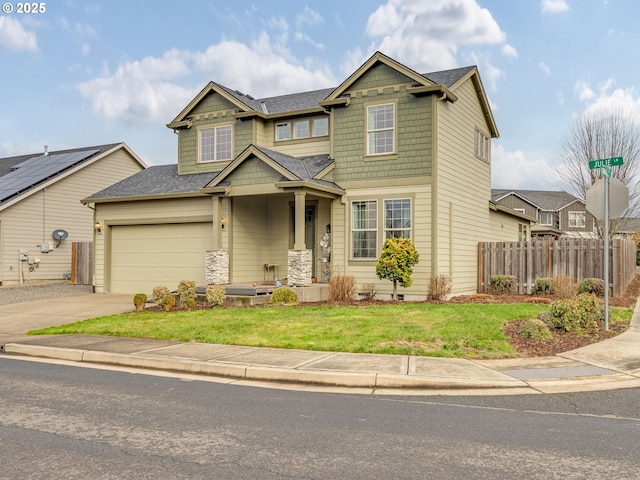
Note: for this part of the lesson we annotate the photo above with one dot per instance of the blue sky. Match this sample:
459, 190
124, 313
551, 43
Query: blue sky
86, 73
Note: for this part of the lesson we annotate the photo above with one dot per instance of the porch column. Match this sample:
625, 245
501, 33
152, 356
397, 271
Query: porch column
299, 240
217, 223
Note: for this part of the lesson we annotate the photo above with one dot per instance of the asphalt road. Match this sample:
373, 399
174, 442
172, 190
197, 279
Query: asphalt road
71, 422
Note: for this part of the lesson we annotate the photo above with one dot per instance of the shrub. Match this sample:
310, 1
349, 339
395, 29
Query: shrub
439, 288
592, 285
139, 299
168, 302
502, 285
190, 303
576, 314
159, 293
186, 290
368, 291
342, 288
216, 295
396, 262
563, 286
542, 286
535, 329
284, 296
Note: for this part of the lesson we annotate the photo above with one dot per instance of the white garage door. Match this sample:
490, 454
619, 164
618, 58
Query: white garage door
144, 256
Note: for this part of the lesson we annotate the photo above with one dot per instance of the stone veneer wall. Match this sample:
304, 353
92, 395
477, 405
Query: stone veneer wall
299, 268
217, 267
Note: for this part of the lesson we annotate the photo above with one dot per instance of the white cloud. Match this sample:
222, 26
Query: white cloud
308, 17
140, 89
427, 35
584, 91
518, 170
545, 68
509, 51
554, 6
301, 37
15, 37
619, 99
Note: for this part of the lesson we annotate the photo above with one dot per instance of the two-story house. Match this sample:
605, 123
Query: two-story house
558, 213
283, 187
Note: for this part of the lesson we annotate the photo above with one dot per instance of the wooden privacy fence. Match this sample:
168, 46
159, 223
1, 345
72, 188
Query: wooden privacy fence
575, 257
82, 263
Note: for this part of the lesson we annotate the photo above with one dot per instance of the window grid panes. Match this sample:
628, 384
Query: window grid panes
320, 127
380, 128
545, 218
301, 129
397, 218
216, 143
283, 131
482, 145
577, 219
364, 228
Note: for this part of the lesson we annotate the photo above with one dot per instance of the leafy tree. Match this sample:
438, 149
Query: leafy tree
396, 262
596, 135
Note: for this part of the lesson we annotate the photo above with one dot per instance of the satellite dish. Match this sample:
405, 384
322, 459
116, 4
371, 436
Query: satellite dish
59, 235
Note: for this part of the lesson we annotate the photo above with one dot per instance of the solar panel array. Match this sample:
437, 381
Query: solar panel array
35, 170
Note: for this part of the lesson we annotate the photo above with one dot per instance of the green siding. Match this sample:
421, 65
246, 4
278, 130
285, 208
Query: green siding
253, 172
413, 130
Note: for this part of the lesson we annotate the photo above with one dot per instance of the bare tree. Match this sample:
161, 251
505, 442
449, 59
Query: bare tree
598, 135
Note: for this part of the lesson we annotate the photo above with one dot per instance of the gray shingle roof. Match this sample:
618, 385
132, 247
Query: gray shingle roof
549, 200
304, 168
448, 78
22, 173
156, 180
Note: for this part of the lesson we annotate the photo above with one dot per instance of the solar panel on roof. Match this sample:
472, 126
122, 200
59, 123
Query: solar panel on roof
37, 169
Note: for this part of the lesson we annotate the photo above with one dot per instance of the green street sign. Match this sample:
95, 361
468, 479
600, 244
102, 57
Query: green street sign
606, 163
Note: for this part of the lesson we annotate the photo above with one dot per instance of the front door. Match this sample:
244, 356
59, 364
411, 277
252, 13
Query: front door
310, 234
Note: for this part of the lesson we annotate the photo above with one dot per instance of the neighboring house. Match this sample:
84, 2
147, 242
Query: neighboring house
40, 194
263, 185
558, 213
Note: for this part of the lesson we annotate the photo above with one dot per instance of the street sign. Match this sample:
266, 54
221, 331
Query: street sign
606, 163
618, 198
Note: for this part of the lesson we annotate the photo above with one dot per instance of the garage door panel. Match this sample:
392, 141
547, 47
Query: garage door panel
144, 256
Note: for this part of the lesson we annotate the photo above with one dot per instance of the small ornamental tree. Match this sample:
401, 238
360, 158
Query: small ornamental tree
396, 262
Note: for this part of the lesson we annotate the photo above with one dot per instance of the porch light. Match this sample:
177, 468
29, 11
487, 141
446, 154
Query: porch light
328, 229
223, 221
98, 227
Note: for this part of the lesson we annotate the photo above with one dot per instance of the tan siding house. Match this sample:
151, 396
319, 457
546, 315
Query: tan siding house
40, 194
388, 153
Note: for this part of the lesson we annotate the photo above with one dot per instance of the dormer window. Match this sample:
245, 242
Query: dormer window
216, 143
381, 129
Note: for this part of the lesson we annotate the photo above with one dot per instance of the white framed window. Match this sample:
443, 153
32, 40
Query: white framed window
216, 143
301, 129
364, 229
482, 145
545, 218
397, 218
519, 210
320, 127
380, 129
283, 131
523, 233
577, 219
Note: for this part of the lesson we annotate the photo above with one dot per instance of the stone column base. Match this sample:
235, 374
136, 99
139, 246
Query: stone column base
299, 268
217, 267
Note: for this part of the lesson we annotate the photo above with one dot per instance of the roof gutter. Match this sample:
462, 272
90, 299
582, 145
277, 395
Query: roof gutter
429, 89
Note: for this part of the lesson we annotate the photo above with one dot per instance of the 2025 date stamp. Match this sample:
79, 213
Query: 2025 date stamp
24, 8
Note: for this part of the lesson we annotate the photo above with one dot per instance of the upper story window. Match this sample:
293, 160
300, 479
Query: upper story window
320, 127
519, 210
545, 218
301, 129
283, 131
380, 129
482, 145
216, 144
577, 219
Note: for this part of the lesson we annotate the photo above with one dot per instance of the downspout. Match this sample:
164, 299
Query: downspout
434, 187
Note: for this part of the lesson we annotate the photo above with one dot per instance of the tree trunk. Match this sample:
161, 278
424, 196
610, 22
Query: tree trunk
395, 291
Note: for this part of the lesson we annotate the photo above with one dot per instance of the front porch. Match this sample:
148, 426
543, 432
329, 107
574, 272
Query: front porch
248, 295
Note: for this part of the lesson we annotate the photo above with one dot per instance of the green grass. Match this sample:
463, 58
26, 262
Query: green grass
472, 331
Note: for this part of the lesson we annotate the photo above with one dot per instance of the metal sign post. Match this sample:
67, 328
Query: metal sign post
606, 253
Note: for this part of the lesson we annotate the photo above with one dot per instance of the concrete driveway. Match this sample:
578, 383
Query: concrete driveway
17, 319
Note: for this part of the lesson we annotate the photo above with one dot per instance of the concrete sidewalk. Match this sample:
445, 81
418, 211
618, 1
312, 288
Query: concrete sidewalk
614, 363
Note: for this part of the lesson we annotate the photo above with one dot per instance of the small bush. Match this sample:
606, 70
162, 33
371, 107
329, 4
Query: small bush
186, 290
216, 295
190, 303
139, 299
563, 286
502, 285
576, 314
535, 329
542, 287
284, 296
592, 285
159, 293
368, 291
168, 302
439, 288
342, 288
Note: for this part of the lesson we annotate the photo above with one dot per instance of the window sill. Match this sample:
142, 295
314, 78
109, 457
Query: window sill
373, 158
